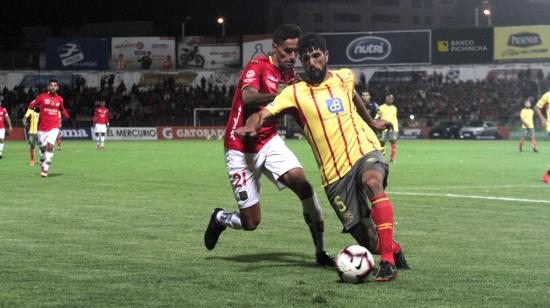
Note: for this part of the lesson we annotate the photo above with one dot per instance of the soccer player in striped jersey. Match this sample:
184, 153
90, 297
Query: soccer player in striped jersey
30, 121
4, 118
527, 126
544, 103
339, 131
388, 112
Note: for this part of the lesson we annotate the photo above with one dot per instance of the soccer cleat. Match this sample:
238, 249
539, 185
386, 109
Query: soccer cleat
1, 157
386, 272
535, 150
97, 146
324, 259
546, 177
213, 231
392, 161
400, 261
44, 173
31, 162
59, 148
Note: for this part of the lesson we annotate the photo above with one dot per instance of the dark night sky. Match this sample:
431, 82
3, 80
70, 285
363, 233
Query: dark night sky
243, 16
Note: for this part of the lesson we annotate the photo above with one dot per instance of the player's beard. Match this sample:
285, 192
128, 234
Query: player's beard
315, 75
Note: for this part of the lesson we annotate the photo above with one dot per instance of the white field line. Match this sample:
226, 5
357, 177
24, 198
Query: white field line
541, 186
468, 197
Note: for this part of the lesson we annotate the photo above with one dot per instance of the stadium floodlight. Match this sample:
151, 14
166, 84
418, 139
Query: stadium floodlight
221, 22
487, 12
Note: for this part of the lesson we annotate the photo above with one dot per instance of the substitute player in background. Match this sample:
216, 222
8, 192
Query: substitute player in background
544, 103
50, 104
527, 126
388, 112
248, 158
30, 121
346, 149
4, 118
372, 106
101, 122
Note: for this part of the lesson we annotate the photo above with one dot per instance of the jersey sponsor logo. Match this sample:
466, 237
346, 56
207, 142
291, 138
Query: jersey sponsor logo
335, 105
250, 74
272, 78
248, 80
368, 48
271, 85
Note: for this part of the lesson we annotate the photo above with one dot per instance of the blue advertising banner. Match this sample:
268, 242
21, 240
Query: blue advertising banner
379, 48
77, 54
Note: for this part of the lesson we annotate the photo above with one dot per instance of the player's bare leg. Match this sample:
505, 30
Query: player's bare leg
102, 141
59, 142
534, 143
295, 179
31, 152
521, 141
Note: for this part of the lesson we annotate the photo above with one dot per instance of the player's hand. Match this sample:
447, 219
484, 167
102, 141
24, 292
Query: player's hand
8, 131
543, 123
294, 80
380, 125
244, 131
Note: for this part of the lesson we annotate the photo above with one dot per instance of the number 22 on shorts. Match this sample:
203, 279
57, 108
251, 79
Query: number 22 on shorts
239, 179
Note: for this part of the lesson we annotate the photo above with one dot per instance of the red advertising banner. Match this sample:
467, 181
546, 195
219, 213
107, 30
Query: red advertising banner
190, 132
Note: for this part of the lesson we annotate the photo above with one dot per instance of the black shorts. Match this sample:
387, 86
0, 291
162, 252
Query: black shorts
348, 197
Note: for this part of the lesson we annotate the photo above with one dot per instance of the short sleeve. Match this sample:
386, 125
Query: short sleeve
252, 74
543, 100
283, 101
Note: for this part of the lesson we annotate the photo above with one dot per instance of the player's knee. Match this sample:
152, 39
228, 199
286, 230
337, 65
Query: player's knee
296, 180
374, 184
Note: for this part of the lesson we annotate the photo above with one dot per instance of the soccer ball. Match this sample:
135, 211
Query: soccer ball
354, 263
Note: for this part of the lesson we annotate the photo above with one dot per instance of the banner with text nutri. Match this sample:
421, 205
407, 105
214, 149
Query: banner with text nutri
462, 46
131, 133
522, 42
376, 48
143, 53
190, 132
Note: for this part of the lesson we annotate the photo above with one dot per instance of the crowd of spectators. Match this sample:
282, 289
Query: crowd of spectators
129, 106
434, 98
430, 99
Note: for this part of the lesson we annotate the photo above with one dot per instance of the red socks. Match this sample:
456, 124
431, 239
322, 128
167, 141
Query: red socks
382, 215
32, 153
393, 150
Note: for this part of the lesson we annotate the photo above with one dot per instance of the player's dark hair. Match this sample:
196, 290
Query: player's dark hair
53, 80
310, 42
285, 32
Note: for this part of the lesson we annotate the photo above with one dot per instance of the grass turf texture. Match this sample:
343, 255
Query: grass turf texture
124, 227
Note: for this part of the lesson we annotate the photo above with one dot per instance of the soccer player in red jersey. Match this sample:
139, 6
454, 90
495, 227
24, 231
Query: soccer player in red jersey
50, 104
248, 158
4, 117
340, 132
101, 122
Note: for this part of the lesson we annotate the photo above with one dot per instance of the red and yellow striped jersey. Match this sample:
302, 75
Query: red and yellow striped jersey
335, 131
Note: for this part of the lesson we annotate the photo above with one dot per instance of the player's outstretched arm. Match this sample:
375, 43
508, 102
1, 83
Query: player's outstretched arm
541, 116
254, 123
377, 125
9, 123
253, 97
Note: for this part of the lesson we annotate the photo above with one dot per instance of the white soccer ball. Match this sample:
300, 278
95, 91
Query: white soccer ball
354, 263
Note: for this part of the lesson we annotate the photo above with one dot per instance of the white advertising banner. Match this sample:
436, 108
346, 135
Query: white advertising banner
130, 133
143, 53
193, 54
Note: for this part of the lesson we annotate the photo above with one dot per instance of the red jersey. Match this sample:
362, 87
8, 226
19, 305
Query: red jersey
261, 74
101, 115
50, 106
3, 114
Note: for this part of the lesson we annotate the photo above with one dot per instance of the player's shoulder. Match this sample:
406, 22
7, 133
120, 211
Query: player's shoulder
345, 73
257, 62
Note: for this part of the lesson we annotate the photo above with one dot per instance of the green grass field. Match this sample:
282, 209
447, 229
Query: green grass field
124, 227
